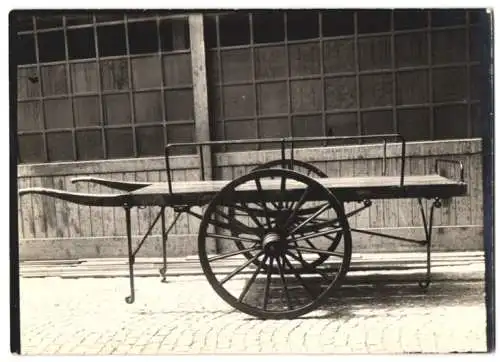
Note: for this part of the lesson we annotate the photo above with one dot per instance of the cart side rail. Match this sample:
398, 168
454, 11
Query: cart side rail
285, 142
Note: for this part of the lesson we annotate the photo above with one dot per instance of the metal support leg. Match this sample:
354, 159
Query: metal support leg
428, 237
164, 237
131, 258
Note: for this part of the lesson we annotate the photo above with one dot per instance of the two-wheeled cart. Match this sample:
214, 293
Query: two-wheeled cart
283, 235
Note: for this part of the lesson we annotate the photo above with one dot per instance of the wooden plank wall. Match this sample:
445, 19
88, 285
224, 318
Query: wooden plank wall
50, 229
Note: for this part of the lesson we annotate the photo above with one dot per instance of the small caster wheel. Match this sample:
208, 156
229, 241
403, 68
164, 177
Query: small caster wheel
129, 299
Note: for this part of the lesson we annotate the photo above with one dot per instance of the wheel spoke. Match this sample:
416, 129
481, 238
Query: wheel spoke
233, 253
268, 282
297, 206
282, 189
251, 280
322, 233
235, 238
283, 281
240, 268
319, 251
252, 215
259, 190
233, 222
309, 267
312, 217
299, 278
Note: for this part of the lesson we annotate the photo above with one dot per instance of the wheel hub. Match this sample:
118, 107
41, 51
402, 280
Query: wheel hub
273, 244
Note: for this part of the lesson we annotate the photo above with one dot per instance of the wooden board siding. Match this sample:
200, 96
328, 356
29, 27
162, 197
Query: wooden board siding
45, 220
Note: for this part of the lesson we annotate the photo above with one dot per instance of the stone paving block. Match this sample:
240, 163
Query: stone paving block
77, 316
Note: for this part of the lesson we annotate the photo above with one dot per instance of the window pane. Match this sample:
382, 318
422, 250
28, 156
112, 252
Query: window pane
273, 128
376, 90
31, 148
26, 49
234, 29
478, 122
410, 19
306, 95
29, 116
148, 107
414, 124
449, 17
174, 34
58, 113
340, 93
60, 146
114, 74
450, 84
268, 27
476, 83
375, 53
89, 145
177, 69
374, 21
477, 43
119, 142
78, 19
450, 122
272, 98
54, 80
84, 77
143, 37
307, 126
146, 72
28, 83
236, 65
270, 62
338, 22
81, 43
239, 101
235, 130
377, 122
87, 112
341, 125
150, 141
412, 87
338, 56
448, 46
179, 105
111, 40
209, 28
180, 133
48, 21
51, 46
304, 59
302, 24
411, 49
116, 109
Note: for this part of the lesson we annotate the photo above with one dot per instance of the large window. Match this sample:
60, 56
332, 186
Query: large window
103, 86
99, 86
342, 72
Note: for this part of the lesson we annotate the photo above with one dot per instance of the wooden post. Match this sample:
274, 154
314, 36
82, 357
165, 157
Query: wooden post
198, 66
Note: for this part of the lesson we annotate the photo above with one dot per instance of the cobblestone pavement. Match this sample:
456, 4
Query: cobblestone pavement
90, 316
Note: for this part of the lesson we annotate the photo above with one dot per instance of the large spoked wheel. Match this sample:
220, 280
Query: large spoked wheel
311, 171
279, 281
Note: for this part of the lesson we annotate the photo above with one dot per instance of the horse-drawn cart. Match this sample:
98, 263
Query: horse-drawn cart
284, 222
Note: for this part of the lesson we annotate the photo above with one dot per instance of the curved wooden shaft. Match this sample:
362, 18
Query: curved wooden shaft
78, 198
118, 185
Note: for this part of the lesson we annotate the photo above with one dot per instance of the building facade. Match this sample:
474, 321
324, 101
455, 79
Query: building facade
103, 93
